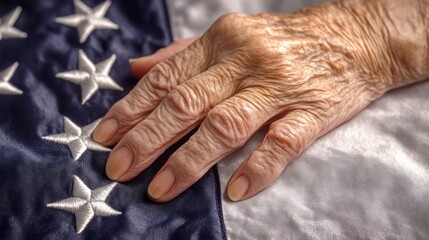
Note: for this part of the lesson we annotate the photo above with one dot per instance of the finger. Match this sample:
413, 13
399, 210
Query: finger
177, 115
285, 141
226, 128
140, 66
149, 92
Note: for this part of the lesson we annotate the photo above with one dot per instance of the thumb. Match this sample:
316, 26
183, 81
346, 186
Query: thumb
140, 66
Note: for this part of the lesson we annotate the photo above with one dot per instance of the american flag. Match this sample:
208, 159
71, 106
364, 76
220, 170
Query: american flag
62, 65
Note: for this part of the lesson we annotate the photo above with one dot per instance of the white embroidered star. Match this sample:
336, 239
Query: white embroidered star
86, 203
87, 20
91, 77
6, 25
5, 76
76, 138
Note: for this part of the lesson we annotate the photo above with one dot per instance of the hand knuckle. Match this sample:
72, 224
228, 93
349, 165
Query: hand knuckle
288, 139
183, 102
151, 90
267, 163
188, 161
139, 101
186, 169
144, 139
133, 140
160, 80
125, 112
228, 126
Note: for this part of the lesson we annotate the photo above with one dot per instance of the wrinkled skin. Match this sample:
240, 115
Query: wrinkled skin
303, 74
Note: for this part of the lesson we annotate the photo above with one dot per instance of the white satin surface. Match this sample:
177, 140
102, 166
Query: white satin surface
367, 179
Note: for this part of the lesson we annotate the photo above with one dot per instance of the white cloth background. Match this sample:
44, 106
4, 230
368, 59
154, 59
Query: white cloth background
368, 179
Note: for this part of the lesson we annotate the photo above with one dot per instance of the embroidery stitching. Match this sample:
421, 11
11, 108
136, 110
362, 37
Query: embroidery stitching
86, 203
76, 138
5, 76
6, 25
91, 77
87, 20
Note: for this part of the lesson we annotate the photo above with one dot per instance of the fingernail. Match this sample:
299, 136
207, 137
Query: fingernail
162, 183
106, 130
119, 163
132, 60
238, 188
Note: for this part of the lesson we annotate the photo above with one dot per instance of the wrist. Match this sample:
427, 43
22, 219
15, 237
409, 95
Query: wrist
401, 28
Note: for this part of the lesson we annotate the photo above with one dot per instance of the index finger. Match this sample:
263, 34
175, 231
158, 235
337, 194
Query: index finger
149, 92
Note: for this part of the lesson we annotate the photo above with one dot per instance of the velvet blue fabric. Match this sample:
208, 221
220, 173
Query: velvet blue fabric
35, 172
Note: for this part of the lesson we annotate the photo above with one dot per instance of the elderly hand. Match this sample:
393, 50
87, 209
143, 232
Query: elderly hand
303, 74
